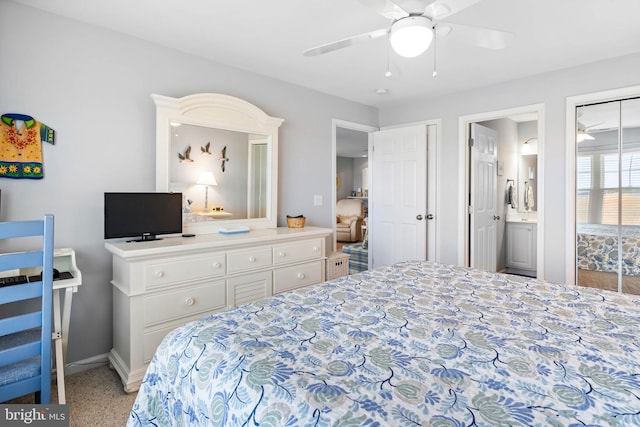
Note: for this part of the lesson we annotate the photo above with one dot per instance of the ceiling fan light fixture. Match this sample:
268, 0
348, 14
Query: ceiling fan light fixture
411, 36
583, 136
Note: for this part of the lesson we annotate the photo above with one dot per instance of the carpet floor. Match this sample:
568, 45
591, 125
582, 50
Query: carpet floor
94, 397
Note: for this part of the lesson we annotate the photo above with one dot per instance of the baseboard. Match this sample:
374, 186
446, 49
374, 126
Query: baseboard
86, 364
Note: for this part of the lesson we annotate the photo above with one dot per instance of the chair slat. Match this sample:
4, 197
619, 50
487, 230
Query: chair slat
18, 260
21, 352
21, 322
20, 292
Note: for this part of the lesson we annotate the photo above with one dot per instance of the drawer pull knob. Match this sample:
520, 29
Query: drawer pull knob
283, 254
301, 276
159, 274
316, 249
217, 265
252, 259
190, 301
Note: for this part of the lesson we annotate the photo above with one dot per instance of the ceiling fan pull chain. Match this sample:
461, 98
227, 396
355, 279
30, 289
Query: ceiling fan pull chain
388, 72
435, 37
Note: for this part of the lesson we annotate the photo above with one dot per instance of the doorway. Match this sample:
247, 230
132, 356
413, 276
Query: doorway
429, 216
495, 225
350, 154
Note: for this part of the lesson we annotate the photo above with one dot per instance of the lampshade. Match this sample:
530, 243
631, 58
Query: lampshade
411, 36
206, 178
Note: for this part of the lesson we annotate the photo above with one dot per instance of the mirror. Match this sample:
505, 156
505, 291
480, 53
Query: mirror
527, 183
220, 152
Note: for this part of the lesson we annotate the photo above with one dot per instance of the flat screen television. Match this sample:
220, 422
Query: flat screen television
142, 216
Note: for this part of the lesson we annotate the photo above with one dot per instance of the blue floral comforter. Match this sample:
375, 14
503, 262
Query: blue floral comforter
412, 344
597, 248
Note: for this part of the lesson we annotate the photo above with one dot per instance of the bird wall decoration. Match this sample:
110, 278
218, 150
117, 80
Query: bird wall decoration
186, 156
223, 158
205, 149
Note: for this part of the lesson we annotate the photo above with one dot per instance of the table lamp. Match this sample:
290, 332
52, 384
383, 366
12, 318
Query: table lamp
206, 178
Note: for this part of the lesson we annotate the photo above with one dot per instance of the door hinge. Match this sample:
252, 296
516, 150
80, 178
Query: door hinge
471, 142
470, 209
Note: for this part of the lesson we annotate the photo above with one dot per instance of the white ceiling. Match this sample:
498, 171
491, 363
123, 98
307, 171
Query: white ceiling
268, 37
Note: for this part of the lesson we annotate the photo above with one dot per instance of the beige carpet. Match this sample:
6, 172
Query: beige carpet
95, 398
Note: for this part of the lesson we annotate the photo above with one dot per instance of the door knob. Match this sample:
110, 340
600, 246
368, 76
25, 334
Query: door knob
429, 216
419, 217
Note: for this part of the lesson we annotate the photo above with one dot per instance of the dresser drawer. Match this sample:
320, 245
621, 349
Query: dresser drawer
184, 302
152, 340
292, 252
248, 259
179, 270
297, 276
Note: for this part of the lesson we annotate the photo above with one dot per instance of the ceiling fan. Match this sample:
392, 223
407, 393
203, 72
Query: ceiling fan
583, 132
413, 25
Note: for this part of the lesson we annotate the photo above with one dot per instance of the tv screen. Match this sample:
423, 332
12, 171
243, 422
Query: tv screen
143, 216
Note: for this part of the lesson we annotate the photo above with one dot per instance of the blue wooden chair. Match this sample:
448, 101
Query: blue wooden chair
25, 338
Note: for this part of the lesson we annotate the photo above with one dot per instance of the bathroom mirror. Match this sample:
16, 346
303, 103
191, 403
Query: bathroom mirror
220, 152
527, 183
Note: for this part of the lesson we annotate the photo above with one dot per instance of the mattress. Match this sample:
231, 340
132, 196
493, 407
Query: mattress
416, 343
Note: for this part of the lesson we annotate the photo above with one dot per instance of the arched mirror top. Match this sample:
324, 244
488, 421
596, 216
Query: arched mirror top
221, 153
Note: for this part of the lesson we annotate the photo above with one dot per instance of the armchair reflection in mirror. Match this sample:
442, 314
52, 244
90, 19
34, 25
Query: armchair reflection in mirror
245, 193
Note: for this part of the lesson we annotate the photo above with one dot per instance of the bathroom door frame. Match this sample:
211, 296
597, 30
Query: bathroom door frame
570, 207
464, 189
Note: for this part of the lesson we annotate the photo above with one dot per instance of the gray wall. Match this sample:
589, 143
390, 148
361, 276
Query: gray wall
93, 87
550, 89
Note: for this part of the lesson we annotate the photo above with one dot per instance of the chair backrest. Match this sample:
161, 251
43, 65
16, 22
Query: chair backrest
349, 207
25, 335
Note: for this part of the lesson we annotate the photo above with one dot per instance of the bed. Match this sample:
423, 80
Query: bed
597, 256
416, 343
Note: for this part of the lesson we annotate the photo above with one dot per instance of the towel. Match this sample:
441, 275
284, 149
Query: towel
512, 198
528, 197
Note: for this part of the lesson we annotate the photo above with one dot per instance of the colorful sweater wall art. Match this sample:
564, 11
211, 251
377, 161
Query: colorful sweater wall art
21, 139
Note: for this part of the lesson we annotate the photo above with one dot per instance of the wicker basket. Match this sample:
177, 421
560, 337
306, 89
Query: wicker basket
295, 222
337, 265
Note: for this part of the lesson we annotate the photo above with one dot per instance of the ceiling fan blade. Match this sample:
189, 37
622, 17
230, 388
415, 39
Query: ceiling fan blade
441, 9
386, 8
482, 37
330, 47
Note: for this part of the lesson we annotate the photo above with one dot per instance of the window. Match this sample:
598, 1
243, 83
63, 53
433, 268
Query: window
583, 184
628, 180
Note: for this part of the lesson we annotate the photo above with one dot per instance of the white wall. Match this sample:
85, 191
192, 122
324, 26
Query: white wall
550, 89
93, 87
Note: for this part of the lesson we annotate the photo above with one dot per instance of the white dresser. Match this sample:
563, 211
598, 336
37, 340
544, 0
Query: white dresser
159, 285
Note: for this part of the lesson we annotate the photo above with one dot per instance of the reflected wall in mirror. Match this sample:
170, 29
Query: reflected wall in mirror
238, 192
221, 153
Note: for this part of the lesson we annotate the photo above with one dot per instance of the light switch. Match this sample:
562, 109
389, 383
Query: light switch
317, 200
